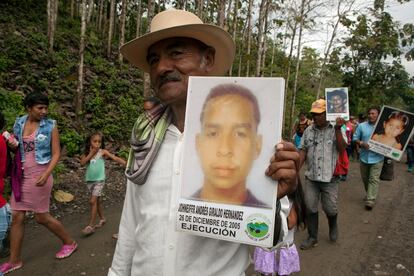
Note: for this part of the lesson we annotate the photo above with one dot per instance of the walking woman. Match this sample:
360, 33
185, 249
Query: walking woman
37, 153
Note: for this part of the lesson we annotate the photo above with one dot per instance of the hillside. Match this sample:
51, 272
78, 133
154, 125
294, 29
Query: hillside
112, 99
112, 91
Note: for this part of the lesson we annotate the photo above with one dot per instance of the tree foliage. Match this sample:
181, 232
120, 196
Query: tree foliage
368, 60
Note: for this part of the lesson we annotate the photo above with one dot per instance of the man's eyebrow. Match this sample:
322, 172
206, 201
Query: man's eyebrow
237, 125
211, 125
243, 125
175, 44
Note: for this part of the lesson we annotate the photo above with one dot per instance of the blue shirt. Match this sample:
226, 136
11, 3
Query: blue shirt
43, 138
363, 133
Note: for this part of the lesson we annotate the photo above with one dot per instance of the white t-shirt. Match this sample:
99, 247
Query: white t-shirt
148, 243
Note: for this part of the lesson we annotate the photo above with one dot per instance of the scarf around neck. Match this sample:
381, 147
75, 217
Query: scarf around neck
146, 138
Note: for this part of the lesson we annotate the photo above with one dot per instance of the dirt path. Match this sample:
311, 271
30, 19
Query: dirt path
377, 242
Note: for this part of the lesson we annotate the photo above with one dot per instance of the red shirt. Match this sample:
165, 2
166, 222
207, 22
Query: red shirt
3, 163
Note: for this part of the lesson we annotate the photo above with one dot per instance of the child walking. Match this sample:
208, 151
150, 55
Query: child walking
94, 155
284, 260
394, 126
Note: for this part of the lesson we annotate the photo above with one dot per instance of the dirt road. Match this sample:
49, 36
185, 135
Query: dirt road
377, 242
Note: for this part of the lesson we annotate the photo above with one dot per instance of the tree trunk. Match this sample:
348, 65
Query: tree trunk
200, 4
266, 27
101, 6
79, 90
228, 12
234, 31
260, 37
111, 26
104, 18
139, 16
239, 72
90, 11
249, 37
147, 81
52, 12
292, 43
295, 85
122, 34
272, 60
72, 8
221, 13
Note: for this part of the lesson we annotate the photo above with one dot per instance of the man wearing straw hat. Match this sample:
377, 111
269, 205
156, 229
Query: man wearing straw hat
179, 45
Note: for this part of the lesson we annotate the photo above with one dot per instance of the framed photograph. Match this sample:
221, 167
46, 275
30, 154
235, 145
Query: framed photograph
231, 128
392, 132
337, 103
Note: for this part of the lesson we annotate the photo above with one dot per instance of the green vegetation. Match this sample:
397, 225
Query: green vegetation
112, 91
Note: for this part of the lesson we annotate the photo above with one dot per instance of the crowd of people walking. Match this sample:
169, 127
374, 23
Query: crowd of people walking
170, 53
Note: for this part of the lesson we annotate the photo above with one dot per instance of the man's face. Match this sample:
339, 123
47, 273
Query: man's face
171, 62
319, 119
372, 115
337, 101
228, 143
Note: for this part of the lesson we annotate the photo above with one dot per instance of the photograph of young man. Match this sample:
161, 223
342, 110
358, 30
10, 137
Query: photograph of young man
228, 144
337, 100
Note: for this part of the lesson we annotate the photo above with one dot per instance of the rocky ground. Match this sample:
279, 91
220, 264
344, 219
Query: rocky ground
377, 242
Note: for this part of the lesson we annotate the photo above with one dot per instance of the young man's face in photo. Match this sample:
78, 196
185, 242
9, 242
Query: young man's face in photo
228, 143
337, 101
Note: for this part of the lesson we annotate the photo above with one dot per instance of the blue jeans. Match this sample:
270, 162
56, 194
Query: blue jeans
5, 217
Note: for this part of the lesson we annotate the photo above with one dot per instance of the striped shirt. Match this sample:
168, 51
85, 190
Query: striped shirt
321, 152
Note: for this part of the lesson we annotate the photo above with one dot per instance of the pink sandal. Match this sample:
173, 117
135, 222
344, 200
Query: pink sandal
9, 267
101, 223
66, 250
88, 230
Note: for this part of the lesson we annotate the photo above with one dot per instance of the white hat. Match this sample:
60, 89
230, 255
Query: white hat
179, 23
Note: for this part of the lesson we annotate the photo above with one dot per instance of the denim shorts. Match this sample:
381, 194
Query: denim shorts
5, 218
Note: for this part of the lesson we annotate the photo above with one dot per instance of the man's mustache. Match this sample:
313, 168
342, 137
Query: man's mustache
170, 76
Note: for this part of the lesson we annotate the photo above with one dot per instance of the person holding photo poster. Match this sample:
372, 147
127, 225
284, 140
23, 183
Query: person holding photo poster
178, 45
370, 162
228, 144
321, 143
393, 126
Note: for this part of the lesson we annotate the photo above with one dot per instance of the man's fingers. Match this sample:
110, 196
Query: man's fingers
275, 166
285, 146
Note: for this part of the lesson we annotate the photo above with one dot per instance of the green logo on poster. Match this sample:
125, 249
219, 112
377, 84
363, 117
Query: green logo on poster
258, 230
257, 227
395, 154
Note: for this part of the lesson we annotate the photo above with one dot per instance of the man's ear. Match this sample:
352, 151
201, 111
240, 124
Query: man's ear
259, 142
209, 58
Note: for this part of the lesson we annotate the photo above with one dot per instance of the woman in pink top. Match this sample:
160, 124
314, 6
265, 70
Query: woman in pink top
39, 149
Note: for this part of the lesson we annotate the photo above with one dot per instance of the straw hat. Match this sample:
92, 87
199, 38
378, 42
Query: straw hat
179, 23
318, 106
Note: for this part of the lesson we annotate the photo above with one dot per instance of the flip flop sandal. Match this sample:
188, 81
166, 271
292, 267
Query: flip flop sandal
101, 223
88, 230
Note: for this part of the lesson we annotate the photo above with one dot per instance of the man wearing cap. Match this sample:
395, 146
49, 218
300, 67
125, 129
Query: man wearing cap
179, 45
319, 147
